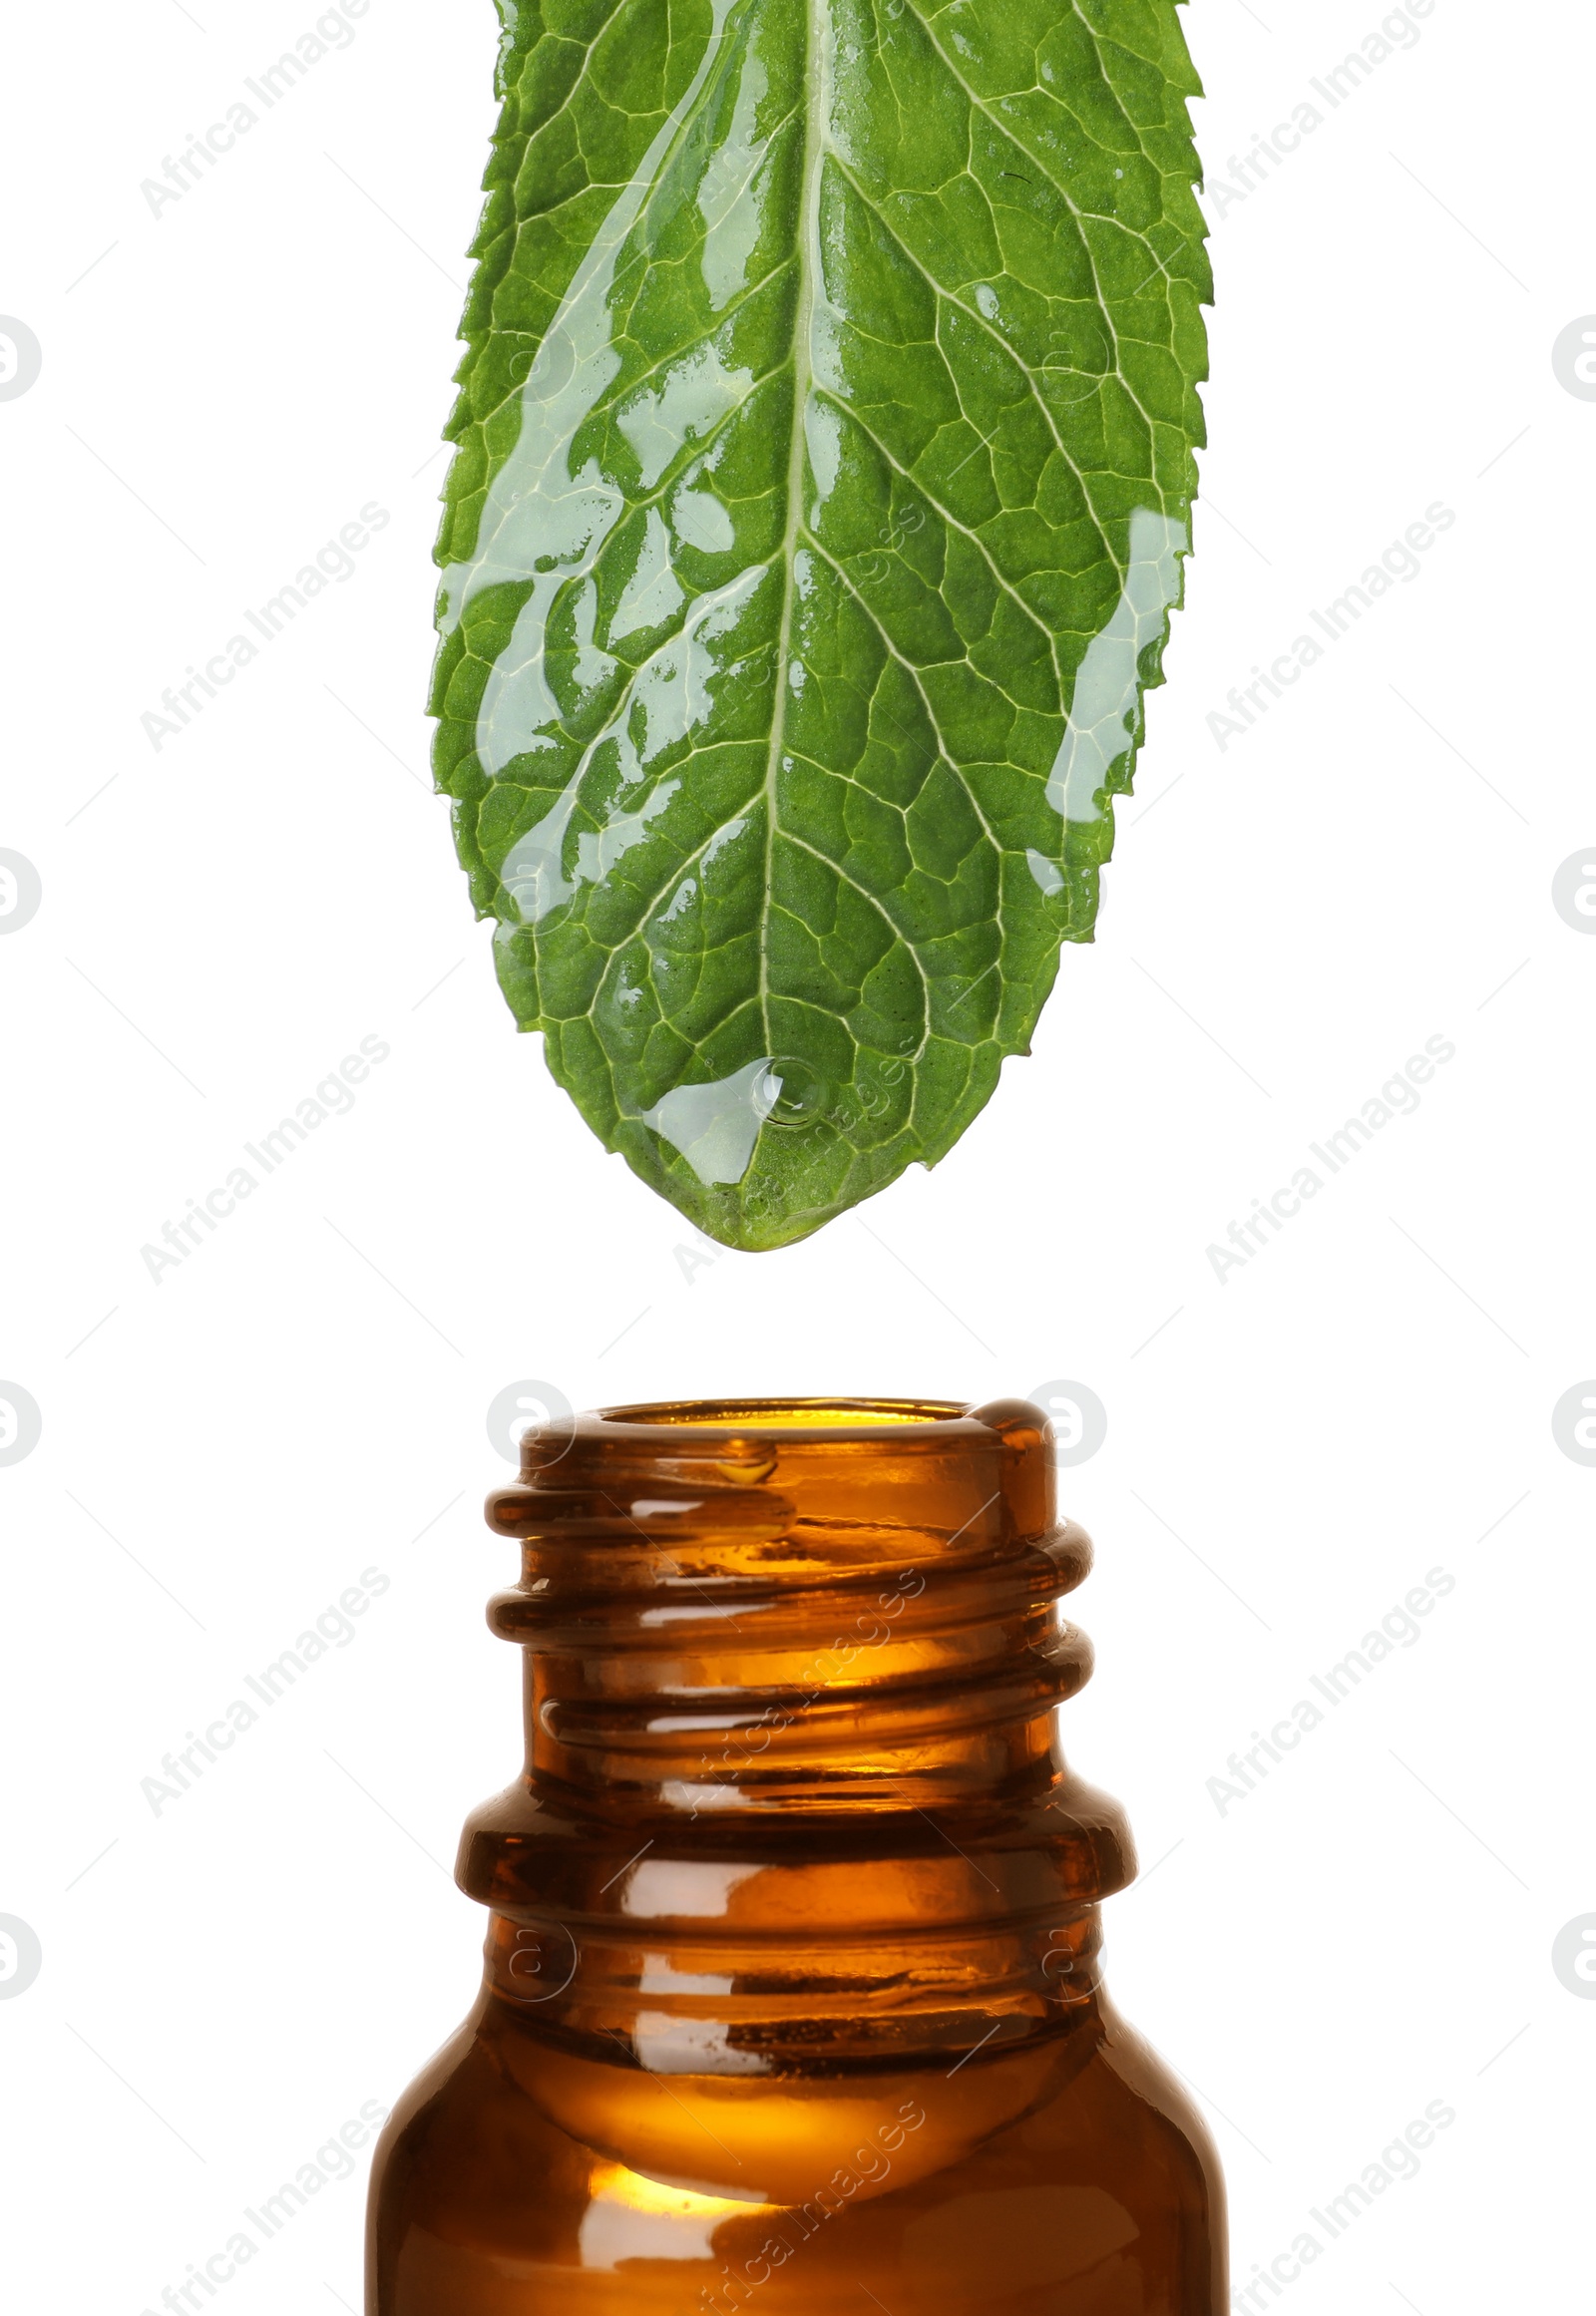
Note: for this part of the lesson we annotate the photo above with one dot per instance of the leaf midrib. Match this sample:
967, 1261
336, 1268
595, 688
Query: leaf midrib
816, 113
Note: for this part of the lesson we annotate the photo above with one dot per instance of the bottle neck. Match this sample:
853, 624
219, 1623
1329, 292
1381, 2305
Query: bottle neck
790, 1692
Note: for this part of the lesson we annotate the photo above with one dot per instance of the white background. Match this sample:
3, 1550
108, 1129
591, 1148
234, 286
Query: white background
1285, 922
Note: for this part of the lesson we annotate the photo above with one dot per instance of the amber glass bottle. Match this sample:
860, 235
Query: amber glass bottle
792, 1999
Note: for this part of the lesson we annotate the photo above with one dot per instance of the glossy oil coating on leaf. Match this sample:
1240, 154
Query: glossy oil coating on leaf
824, 465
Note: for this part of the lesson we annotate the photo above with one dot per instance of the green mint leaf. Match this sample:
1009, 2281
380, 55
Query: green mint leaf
824, 468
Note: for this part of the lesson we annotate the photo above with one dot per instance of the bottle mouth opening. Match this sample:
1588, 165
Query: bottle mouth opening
755, 1417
